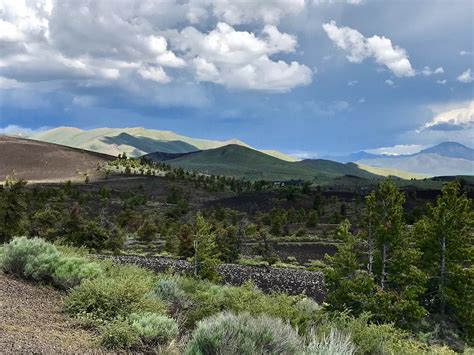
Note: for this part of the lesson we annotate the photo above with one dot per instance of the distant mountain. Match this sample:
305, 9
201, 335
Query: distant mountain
424, 163
451, 150
134, 141
243, 162
350, 158
448, 158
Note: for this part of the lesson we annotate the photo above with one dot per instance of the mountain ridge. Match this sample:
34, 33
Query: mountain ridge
104, 140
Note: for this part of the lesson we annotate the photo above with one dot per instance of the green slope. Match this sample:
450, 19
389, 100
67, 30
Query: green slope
242, 162
337, 169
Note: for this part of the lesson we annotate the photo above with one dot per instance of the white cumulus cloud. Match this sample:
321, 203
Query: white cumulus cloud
379, 48
241, 59
456, 117
466, 77
427, 71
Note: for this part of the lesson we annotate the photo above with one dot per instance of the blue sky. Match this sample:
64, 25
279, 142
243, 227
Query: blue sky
305, 77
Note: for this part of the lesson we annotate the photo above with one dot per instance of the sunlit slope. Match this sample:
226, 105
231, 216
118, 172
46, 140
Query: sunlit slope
40, 161
134, 141
391, 172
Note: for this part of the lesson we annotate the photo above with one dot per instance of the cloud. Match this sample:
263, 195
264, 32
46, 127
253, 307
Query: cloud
462, 53
237, 12
379, 48
459, 117
466, 77
352, 82
441, 82
20, 131
241, 60
389, 82
399, 149
154, 73
110, 44
427, 71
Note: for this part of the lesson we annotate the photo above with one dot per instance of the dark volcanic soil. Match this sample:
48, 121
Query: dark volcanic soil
31, 322
33, 161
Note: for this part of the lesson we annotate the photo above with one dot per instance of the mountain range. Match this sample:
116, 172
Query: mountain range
135, 141
236, 158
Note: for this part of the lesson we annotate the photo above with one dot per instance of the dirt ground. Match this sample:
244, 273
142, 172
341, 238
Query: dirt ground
40, 161
31, 322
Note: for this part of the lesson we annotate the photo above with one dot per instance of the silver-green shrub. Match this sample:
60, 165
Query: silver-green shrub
30, 258
71, 270
227, 333
154, 328
333, 343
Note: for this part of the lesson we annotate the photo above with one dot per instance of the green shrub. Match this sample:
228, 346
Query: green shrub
70, 271
371, 338
120, 335
208, 299
154, 328
168, 290
30, 258
227, 333
122, 291
333, 343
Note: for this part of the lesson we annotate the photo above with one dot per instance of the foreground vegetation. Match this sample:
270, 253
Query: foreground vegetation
135, 309
401, 281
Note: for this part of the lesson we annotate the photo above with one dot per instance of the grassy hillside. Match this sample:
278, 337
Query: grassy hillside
134, 141
390, 172
242, 162
337, 169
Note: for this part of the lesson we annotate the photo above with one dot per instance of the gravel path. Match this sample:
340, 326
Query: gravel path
31, 321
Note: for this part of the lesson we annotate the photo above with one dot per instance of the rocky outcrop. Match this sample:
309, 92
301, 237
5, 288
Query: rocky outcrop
268, 279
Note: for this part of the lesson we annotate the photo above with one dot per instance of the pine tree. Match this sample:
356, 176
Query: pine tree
206, 253
12, 209
348, 283
445, 235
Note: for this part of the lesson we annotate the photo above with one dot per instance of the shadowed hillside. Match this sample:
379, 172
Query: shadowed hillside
33, 161
242, 162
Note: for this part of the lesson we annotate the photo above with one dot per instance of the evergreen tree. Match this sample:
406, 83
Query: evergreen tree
12, 209
445, 235
206, 253
348, 283
185, 241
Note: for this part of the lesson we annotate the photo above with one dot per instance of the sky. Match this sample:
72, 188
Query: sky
306, 77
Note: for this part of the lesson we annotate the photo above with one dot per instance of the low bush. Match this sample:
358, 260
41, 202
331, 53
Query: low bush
227, 333
372, 338
70, 271
122, 291
208, 299
167, 289
30, 258
333, 343
119, 335
154, 328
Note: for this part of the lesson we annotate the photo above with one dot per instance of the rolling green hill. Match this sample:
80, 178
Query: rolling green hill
334, 168
243, 162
